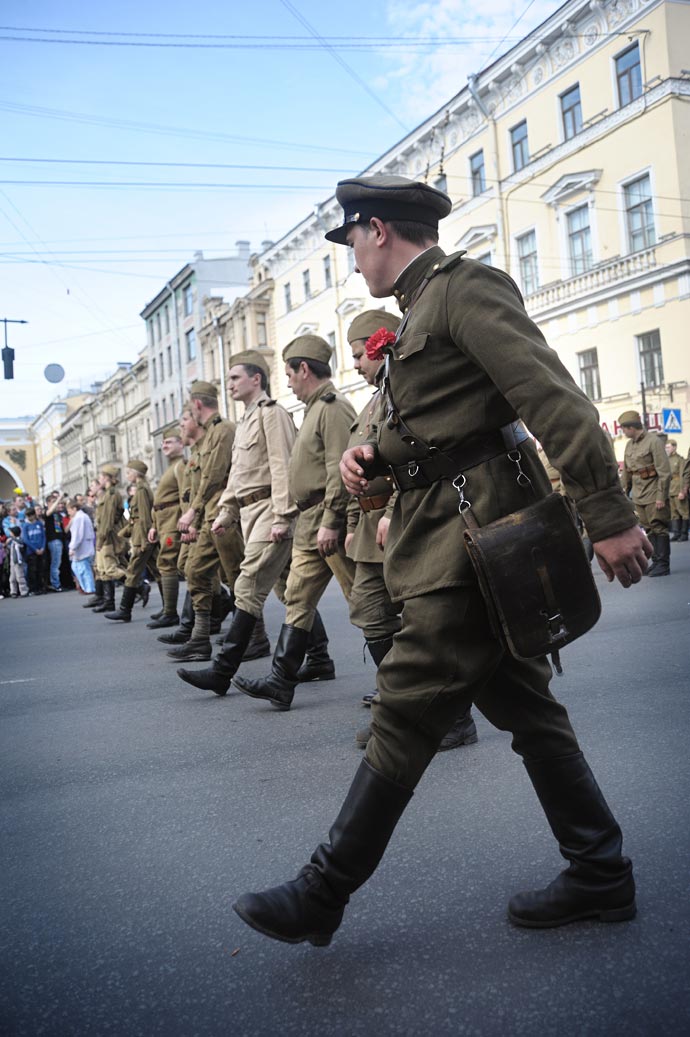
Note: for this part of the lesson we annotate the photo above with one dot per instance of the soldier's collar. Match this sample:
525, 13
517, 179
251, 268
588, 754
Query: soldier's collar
324, 388
414, 273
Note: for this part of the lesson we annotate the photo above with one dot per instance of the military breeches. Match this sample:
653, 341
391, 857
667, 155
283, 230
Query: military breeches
261, 567
679, 509
652, 519
443, 659
203, 559
371, 608
109, 567
309, 576
169, 553
140, 558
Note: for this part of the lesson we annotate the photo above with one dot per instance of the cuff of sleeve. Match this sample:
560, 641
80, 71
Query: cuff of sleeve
332, 519
606, 513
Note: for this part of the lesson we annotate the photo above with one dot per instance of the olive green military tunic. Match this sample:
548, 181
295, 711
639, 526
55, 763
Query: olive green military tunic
257, 490
142, 553
316, 487
371, 609
679, 508
647, 473
469, 361
109, 515
167, 502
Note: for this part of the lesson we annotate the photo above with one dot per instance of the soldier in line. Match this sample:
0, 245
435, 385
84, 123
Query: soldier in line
109, 515
163, 531
468, 363
318, 551
368, 519
208, 552
142, 551
257, 492
680, 513
647, 473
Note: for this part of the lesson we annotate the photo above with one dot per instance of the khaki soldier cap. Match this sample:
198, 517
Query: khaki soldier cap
203, 389
111, 471
672, 442
366, 324
308, 347
250, 356
631, 418
388, 198
172, 431
138, 466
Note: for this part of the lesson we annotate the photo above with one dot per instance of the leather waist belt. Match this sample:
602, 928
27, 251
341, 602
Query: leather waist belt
169, 504
374, 503
420, 473
263, 493
308, 502
645, 473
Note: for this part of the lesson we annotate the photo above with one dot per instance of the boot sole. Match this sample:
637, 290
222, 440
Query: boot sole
471, 740
617, 914
187, 678
197, 657
281, 706
316, 940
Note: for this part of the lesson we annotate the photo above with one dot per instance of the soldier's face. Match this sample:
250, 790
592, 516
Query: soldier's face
171, 446
371, 259
671, 449
242, 386
361, 362
188, 427
296, 381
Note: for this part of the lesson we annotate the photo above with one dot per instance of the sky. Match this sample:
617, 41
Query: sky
135, 134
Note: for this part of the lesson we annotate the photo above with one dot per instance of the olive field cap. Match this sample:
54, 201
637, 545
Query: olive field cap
388, 198
672, 442
253, 357
308, 347
630, 418
138, 466
111, 471
172, 431
366, 324
203, 389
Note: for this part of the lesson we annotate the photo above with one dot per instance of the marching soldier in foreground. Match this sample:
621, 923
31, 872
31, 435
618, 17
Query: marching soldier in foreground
468, 364
318, 553
164, 531
647, 473
680, 513
143, 553
109, 515
257, 491
368, 519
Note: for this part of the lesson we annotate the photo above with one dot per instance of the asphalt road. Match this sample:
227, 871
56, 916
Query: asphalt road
135, 809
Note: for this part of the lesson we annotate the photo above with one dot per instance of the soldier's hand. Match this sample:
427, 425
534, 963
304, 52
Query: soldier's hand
193, 534
186, 520
278, 534
624, 556
351, 471
152, 536
660, 504
382, 531
327, 541
348, 540
218, 528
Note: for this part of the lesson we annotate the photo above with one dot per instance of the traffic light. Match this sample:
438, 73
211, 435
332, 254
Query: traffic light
8, 361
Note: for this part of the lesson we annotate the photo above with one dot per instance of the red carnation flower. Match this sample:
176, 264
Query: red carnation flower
168, 541
377, 342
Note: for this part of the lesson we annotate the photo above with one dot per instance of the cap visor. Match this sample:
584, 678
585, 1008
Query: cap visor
339, 235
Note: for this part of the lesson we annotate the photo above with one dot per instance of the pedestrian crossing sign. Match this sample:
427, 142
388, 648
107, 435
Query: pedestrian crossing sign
672, 419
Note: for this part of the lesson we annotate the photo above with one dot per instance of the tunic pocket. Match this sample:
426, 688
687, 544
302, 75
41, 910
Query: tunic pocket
411, 344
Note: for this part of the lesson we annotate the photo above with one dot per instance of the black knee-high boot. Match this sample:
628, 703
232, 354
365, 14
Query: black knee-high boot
108, 604
217, 677
311, 906
318, 665
97, 598
278, 687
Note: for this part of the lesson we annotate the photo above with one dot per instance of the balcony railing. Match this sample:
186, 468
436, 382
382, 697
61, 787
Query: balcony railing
623, 268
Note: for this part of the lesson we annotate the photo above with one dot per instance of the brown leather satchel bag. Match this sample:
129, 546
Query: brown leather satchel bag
535, 578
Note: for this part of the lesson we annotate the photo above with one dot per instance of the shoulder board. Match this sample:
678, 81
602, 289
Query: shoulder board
267, 403
448, 262
328, 397
216, 421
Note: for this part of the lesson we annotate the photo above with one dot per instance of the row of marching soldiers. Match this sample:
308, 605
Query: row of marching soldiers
260, 507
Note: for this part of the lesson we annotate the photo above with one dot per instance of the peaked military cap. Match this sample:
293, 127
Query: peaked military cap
308, 347
111, 470
250, 356
630, 418
138, 466
203, 389
366, 324
388, 198
172, 431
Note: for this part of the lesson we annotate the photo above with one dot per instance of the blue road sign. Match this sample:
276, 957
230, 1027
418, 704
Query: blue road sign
672, 419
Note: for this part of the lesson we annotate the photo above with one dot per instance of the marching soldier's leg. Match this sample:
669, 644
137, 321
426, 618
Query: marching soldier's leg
135, 570
202, 568
318, 665
112, 571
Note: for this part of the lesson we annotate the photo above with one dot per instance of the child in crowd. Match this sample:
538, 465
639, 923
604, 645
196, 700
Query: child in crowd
16, 549
34, 538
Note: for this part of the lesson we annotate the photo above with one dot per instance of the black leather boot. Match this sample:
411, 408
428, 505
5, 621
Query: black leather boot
161, 611
378, 650
598, 882
143, 593
184, 633
675, 530
95, 599
463, 732
222, 605
684, 531
279, 687
311, 906
124, 612
259, 646
108, 597
661, 562
318, 665
217, 678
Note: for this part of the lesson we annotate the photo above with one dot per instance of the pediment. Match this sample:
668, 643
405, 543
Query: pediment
479, 235
571, 184
348, 307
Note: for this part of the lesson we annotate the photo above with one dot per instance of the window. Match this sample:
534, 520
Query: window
579, 240
158, 327
477, 173
261, 335
639, 214
150, 328
485, 258
191, 344
571, 112
188, 300
628, 75
153, 370
113, 446
306, 283
169, 355
172, 406
161, 369
330, 338
327, 275
588, 364
527, 258
651, 363
519, 145
164, 411
167, 319
158, 416
288, 296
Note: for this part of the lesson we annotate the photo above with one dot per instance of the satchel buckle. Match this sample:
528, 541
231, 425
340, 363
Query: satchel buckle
515, 456
459, 482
